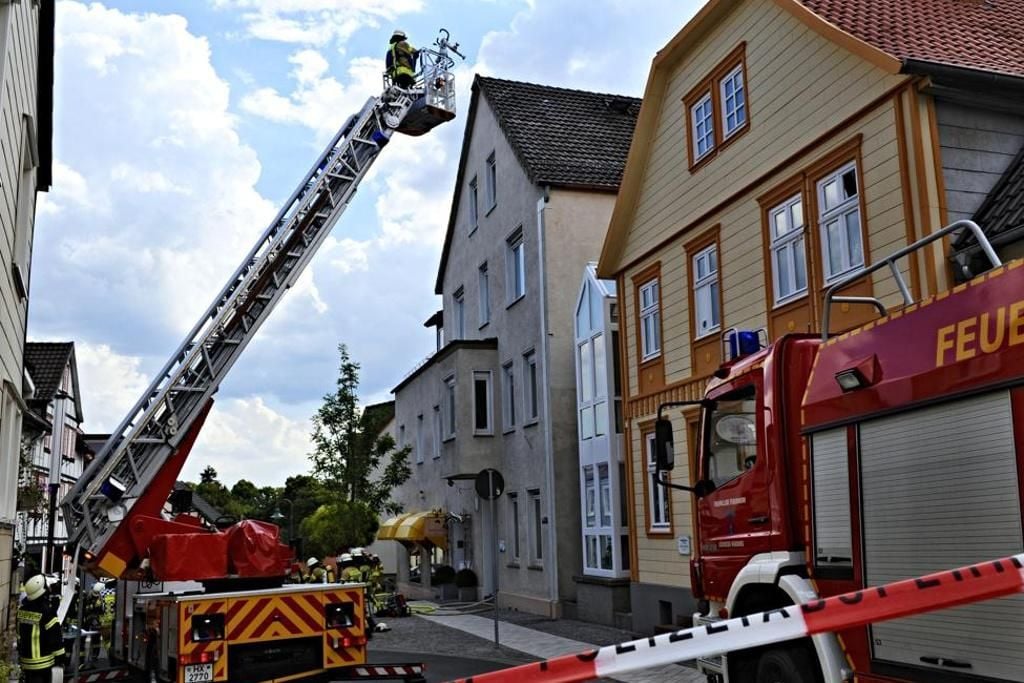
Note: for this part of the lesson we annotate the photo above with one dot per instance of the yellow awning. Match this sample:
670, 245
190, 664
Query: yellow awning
416, 527
387, 529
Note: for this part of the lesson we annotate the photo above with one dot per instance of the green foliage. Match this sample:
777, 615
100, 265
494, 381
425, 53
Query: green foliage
350, 455
31, 495
338, 525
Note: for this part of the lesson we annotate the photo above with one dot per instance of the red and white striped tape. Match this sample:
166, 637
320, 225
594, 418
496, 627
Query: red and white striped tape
974, 583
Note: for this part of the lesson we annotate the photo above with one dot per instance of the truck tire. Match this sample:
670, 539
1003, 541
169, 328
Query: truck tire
791, 665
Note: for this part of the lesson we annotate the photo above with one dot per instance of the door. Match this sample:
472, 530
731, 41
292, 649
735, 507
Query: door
735, 519
940, 490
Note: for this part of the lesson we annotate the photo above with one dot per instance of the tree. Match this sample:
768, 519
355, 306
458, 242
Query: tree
350, 455
339, 525
218, 495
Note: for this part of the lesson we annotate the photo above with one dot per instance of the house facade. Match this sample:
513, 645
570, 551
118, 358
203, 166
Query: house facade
26, 109
537, 178
58, 458
783, 145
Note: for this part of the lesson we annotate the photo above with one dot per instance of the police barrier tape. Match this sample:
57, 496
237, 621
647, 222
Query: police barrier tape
973, 583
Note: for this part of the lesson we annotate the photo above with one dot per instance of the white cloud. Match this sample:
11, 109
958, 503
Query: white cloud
315, 22
110, 384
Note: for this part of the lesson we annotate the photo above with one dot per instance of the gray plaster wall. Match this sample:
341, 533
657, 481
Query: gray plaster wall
653, 603
977, 146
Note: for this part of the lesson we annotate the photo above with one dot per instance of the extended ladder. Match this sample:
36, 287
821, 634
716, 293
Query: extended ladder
155, 426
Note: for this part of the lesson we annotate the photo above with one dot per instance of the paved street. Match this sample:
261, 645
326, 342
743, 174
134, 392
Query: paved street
463, 645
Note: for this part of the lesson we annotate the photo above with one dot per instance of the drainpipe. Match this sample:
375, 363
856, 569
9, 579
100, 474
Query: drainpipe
551, 561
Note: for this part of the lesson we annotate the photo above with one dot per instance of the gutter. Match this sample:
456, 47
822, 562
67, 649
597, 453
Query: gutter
551, 561
963, 77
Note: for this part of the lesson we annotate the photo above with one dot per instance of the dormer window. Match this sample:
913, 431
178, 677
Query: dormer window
717, 109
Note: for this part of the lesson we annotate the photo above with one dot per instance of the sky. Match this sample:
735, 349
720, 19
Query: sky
181, 126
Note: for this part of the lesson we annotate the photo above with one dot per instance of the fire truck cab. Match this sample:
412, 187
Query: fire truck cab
827, 464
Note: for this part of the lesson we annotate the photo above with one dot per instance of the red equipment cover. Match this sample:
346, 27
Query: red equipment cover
254, 549
184, 557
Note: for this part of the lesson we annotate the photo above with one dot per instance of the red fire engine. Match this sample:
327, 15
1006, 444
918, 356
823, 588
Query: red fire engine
830, 463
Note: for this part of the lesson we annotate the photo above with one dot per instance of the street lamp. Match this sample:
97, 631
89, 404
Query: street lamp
277, 517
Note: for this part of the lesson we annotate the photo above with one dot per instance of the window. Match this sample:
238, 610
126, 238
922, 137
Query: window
459, 311
492, 183
513, 525
401, 436
508, 410
657, 495
789, 257
449, 407
731, 444
420, 436
515, 267
734, 103
617, 377
705, 291
703, 117
485, 295
531, 394
10, 438
25, 216
437, 432
717, 109
482, 403
604, 484
650, 320
474, 206
842, 242
536, 529
589, 496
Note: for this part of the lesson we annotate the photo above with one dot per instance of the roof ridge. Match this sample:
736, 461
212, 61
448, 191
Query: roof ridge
555, 87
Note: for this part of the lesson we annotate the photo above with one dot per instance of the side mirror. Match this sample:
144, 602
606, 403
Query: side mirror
703, 488
664, 448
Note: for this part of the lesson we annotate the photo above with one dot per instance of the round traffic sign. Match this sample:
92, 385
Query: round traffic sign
489, 483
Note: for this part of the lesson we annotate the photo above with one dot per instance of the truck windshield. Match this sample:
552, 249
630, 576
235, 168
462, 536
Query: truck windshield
732, 436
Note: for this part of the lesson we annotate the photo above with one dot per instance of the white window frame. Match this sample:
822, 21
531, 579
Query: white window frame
491, 180
732, 77
841, 212
531, 388
701, 283
508, 396
474, 205
459, 312
484, 285
420, 446
11, 416
24, 219
438, 433
448, 413
515, 550
702, 113
790, 246
488, 378
650, 319
515, 267
658, 503
535, 515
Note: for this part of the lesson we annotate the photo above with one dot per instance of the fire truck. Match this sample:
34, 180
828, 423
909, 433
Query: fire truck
829, 463
224, 613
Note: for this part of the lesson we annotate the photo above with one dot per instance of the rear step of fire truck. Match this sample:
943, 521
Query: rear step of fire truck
154, 428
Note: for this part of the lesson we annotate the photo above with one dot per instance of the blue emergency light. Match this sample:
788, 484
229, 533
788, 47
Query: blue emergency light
742, 342
113, 489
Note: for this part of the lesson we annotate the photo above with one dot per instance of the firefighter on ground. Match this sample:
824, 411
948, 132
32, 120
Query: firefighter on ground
318, 573
40, 642
401, 61
349, 569
296, 575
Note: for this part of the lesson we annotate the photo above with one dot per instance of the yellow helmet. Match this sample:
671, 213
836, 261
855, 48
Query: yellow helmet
35, 587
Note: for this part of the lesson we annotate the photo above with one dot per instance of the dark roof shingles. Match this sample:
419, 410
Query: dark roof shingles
1003, 208
46, 362
563, 136
974, 34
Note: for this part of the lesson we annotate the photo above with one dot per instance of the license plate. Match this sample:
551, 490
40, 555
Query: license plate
197, 673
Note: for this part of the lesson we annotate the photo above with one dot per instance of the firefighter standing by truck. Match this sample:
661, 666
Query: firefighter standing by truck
40, 643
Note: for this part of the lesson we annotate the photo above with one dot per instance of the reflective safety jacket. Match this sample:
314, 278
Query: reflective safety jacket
39, 635
401, 59
321, 575
351, 574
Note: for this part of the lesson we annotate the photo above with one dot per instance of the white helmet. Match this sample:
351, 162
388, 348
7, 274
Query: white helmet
98, 588
35, 587
345, 557
398, 34
311, 562
358, 551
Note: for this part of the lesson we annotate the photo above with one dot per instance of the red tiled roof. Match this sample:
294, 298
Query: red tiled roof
975, 34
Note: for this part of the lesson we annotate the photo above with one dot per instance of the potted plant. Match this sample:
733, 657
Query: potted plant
466, 582
444, 579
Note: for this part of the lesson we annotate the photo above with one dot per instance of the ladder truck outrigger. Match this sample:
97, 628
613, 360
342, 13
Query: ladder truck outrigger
244, 625
829, 463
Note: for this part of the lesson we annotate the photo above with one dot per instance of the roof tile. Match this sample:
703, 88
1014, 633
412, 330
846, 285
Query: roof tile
973, 34
46, 362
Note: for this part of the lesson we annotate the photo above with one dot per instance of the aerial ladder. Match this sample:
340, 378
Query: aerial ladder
115, 508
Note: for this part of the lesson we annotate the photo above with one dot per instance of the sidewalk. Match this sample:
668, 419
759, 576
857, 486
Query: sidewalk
546, 645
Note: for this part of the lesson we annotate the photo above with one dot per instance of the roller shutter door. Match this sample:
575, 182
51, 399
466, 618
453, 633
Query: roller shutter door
940, 490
